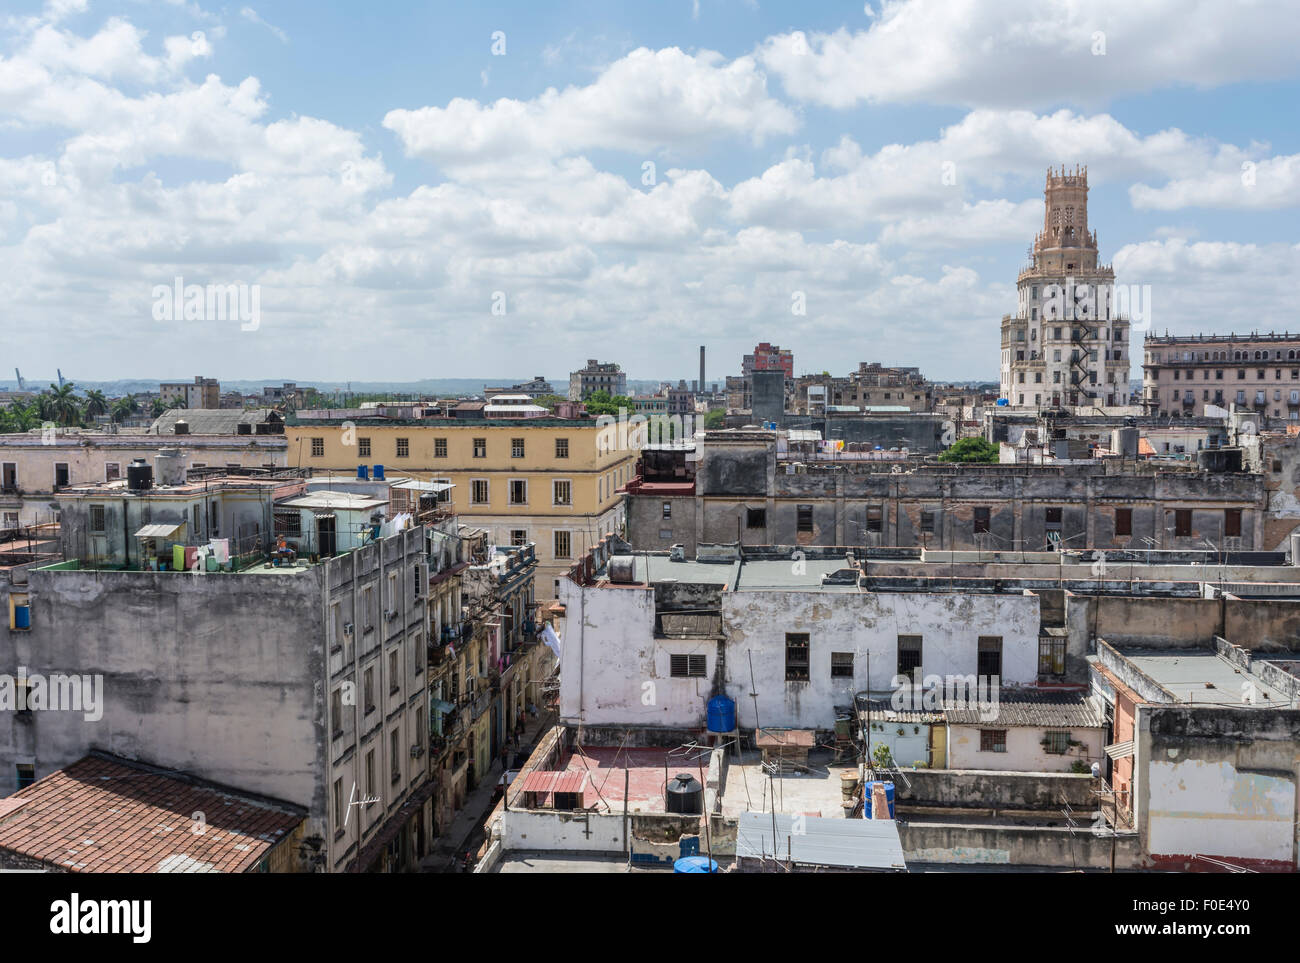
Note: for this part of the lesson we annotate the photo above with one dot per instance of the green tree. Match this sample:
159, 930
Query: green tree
715, 418
65, 407
600, 402
96, 403
124, 408
972, 451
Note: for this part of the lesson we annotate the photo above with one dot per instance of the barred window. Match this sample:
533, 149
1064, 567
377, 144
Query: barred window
993, 740
686, 666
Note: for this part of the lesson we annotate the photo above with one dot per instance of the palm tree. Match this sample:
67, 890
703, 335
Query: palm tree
96, 403
64, 405
124, 408
157, 407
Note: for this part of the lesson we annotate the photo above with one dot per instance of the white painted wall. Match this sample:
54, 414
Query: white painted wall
616, 673
1025, 752
1212, 808
547, 831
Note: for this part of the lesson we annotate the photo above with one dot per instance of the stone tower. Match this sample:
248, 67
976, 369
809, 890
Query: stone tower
1064, 346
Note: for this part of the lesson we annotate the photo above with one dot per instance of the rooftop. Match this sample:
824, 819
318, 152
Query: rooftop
1204, 677
104, 814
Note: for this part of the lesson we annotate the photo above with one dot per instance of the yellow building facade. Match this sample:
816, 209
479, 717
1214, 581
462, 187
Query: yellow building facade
548, 481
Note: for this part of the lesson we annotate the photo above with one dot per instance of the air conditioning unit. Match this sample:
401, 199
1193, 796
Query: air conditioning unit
347, 628
390, 615
417, 751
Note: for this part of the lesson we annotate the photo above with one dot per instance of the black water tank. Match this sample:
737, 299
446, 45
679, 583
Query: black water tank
139, 476
685, 795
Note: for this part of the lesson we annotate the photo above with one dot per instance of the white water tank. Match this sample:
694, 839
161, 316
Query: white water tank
169, 467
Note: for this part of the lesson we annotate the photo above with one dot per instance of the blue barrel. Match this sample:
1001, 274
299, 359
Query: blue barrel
722, 714
889, 797
363, 472
695, 864
379, 473
22, 617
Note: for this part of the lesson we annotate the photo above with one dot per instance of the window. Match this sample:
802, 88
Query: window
440, 448
339, 815
561, 448
395, 752
980, 522
394, 677
927, 523
668, 509
562, 492
804, 518
518, 491
97, 519
60, 475
1124, 521
796, 657
480, 447
363, 447
756, 518
403, 447
516, 448
993, 740
479, 491
519, 536
1183, 522
318, 447
686, 666
1052, 516
563, 545
370, 775
909, 656
1051, 655
26, 774
874, 519
841, 665
368, 690
112, 471
1056, 743
336, 713
989, 656
1232, 521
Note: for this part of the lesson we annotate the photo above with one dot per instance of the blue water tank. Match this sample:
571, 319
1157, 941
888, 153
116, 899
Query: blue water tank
22, 617
363, 472
379, 473
722, 714
889, 798
695, 864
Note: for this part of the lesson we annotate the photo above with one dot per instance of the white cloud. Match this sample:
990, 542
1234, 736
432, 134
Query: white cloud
645, 101
1264, 185
1035, 52
251, 15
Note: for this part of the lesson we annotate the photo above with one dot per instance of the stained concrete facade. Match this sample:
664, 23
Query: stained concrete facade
745, 491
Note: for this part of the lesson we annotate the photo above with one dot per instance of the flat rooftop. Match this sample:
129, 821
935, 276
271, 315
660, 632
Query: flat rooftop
747, 786
1203, 677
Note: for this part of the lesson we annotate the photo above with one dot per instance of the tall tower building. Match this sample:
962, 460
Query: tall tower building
1064, 346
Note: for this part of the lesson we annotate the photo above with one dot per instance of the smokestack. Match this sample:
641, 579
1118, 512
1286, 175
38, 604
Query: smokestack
701, 369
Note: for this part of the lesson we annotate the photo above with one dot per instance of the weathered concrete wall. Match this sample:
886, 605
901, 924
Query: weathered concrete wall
1025, 752
1004, 845
1218, 782
995, 789
868, 626
1148, 622
207, 673
548, 831
1258, 624
649, 531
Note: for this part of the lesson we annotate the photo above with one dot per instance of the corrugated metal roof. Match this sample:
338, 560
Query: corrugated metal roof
548, 782
1120, 750
415, 484
1061, 710
164, 530
822, 841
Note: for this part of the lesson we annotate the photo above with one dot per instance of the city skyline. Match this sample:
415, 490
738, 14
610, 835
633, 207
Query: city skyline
697, 177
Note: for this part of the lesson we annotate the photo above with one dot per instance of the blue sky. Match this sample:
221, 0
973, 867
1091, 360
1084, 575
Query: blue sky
386, 181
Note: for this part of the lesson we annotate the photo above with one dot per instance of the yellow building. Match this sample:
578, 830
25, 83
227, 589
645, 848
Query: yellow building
549, 481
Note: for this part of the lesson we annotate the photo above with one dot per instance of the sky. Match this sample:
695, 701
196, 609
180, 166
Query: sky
402, 191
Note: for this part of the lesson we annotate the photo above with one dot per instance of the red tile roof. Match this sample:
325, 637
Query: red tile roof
549, 782
104, 815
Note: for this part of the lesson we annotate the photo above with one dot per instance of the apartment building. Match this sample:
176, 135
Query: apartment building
35, 466
1068, 342
745, 489
202, 393
597, 376
222, 651
871, 386
546, 481
1184, 375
